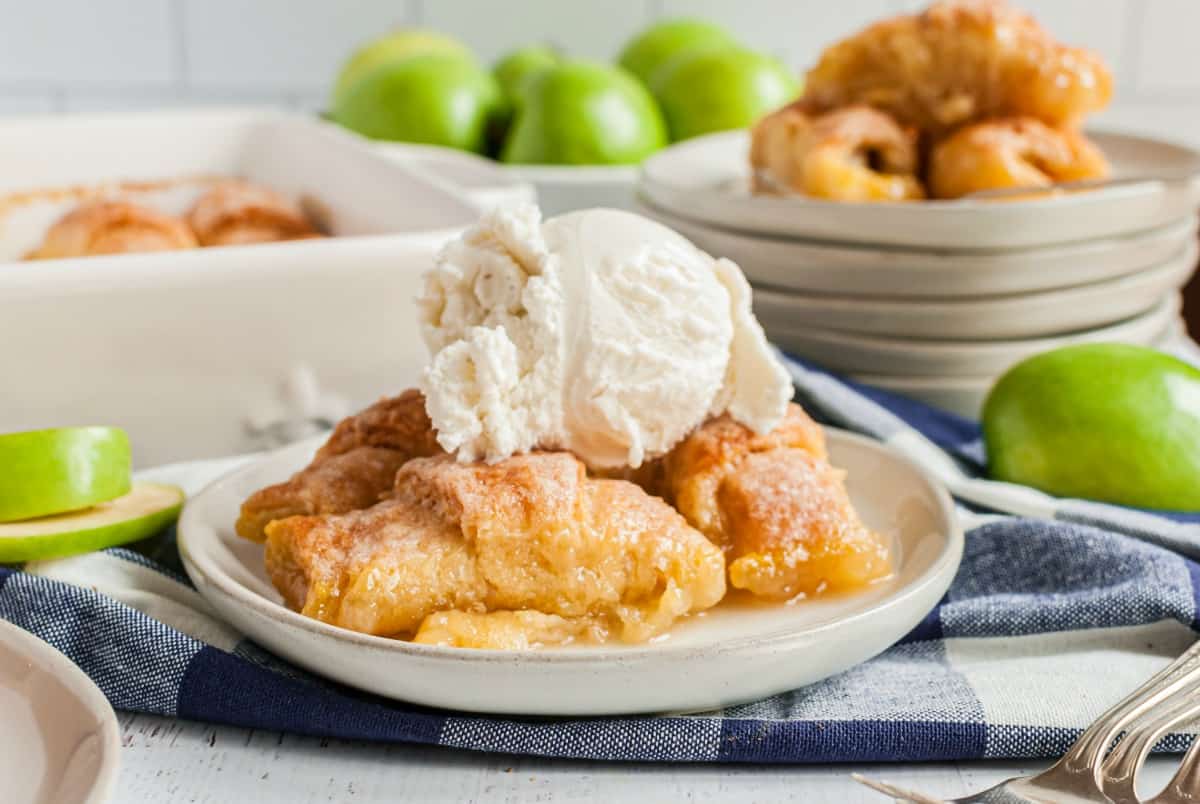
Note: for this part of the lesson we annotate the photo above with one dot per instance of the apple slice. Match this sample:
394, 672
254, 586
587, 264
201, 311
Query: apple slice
45, 472
142, 512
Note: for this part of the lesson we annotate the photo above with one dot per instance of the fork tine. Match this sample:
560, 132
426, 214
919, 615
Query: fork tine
1121, 768
898, 793
1085, 755
1184, 787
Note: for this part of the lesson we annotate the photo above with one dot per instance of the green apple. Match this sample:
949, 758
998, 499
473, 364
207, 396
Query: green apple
584, 113
433, 98
517, 67
656, 45
46, 472
145, 510
1105, 422
393, 47
702, 90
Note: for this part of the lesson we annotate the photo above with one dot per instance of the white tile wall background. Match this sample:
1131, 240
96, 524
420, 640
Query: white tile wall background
93, 55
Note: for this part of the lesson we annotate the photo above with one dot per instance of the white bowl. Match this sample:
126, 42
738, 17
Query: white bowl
481, 180
563, 188
808, 265
59, 739
899, 357
707, 180
1010, 317
703, 664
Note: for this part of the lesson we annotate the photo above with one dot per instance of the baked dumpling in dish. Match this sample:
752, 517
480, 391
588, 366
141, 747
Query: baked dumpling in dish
957, 62
1011, 152
851, 154
354, 469
238, 213
526, 551
774, 504
113, 227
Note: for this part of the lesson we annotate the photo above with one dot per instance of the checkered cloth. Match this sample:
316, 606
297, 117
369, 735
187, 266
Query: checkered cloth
1053, 617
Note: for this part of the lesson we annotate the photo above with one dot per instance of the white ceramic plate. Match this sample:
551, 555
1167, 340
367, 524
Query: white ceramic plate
811, 266
898, 357
706, 179
1026, 315
966, 395
703, 664
59, 741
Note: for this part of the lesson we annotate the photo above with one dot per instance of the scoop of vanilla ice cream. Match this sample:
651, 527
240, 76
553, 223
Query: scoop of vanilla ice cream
600, 332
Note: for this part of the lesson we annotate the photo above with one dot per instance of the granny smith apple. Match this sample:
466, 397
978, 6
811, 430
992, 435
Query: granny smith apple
656, 45
46, 472
393, 47
433, 98
703, 90
584, 113
1105, 422
514, 69
145, 510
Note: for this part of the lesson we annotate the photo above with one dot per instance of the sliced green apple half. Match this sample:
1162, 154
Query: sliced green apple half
45, 472
145, 510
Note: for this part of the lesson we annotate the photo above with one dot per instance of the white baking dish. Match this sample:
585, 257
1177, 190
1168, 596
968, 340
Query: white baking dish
215, 350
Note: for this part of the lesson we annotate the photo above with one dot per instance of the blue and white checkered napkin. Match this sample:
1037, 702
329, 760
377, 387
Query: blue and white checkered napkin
1052, 618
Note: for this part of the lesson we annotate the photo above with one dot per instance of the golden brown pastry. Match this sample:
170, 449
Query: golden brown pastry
1011, 152
352, 470
957, 62
774, 504
851, 154
237, 213
112, 227
526, 551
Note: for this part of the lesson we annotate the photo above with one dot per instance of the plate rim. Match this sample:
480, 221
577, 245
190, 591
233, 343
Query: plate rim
90, 696
1177, 267
949, 553
1168, 308
1177, 228
953, 206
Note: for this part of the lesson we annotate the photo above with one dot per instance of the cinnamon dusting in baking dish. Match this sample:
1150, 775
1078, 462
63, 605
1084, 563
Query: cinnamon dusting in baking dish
117, 217
87, 192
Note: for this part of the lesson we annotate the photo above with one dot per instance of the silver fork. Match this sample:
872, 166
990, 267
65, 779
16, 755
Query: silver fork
1083, 775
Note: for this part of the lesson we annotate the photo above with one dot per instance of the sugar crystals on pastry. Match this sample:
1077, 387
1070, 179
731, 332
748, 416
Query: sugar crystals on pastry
528, 550
352, 470
236, 212
1011, 152
113, 227
774, 504
852, 154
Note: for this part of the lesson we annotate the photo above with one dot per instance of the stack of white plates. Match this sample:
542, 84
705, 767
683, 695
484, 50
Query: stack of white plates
935, 299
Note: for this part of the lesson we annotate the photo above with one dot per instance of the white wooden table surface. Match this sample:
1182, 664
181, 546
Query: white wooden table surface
172, 761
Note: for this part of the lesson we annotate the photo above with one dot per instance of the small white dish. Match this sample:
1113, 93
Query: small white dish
849, 352
59, 740
817, 267
706, 179
563, 188
701, 665
1026, 315
484, 182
